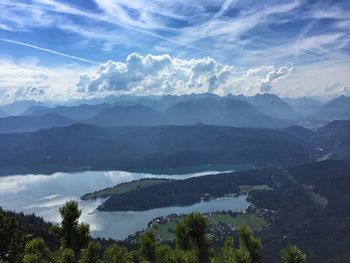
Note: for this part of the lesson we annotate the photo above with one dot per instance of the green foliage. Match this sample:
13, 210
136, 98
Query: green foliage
36, 251
249, 243
135, 257
228, 254
191, 235
11, 238
148, 246
185, 256
81, 236
292, 254
164, 254
155, 252
248, 251
74, 235
243, 256
91, 253
183, 240
66, 255
116, 254
192, 245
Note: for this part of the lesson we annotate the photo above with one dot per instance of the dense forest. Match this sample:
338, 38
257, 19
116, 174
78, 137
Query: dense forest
311, 209
136, 148
72, 243
86, 147
311, 213
186, 192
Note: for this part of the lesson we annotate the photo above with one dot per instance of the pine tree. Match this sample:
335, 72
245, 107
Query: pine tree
230, 254
74, 235
116, 254
91, 253
66, 255
11, 239
249, 243
227, 253
36, 251
148, 246
191, 234
292, 254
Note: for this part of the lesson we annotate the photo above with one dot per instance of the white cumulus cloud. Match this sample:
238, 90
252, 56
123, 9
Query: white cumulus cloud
163, 74
272, 76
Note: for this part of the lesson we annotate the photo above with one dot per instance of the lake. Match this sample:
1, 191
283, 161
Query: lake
44, 194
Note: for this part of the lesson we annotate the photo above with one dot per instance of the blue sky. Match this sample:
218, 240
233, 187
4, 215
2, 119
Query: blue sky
56, 50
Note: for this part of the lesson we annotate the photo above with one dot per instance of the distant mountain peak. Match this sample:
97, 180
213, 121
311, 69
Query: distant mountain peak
338, 108
131, 115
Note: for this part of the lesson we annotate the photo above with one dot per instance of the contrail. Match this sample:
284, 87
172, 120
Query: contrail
46, 50
64, 9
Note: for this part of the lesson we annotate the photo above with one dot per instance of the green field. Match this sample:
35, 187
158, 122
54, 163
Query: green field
165, 231
255, 223
245, 189
123, 188
315, 197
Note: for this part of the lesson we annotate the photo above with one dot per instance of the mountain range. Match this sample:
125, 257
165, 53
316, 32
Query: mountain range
15, 124
3, 114
83, 146
134, 115
227, 112
80, 112
271, 105
261, 111
305, 106
18, 107
336, 109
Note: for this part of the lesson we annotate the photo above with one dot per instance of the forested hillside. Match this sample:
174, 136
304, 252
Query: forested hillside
82, 146
304, 205
193, 245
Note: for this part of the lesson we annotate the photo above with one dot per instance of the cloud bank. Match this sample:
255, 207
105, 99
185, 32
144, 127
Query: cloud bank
26, 80
163, 74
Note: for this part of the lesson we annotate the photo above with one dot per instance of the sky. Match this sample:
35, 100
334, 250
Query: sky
71, 49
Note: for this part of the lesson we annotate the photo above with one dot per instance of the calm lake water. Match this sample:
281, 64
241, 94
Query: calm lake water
44, 194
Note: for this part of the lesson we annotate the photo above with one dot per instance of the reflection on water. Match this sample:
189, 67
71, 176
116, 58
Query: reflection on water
43, 195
